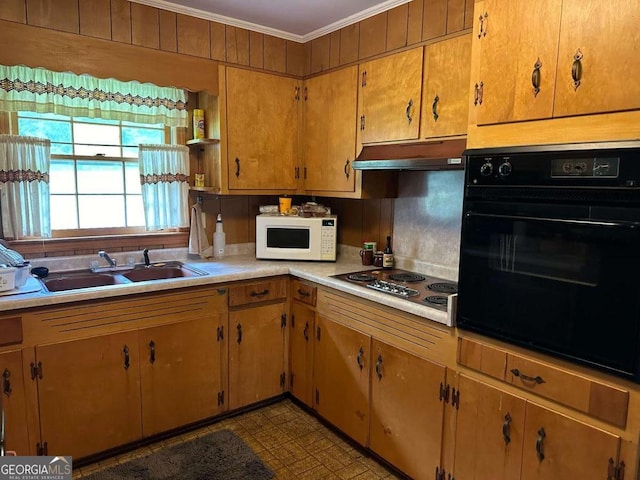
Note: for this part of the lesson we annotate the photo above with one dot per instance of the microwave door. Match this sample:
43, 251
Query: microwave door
289, 238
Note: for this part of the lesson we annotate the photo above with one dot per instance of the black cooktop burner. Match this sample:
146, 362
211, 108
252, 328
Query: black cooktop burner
361, 277
443, 287
406, 277
436, 300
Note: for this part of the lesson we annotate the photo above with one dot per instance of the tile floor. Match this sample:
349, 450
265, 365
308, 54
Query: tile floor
294, 444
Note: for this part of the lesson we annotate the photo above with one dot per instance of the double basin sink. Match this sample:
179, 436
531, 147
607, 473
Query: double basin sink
62, 281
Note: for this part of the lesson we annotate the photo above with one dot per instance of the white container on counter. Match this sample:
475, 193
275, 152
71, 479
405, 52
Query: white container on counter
7, 278
23, 273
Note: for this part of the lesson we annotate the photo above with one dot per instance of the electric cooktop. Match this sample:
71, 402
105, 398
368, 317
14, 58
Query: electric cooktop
413, 287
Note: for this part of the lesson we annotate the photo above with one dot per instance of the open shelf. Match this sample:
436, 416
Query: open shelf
203, 141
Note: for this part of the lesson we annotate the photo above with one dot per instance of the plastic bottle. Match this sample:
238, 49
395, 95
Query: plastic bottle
219, 239
387, 256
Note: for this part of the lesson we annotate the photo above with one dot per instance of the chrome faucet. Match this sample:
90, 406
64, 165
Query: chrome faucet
105, 255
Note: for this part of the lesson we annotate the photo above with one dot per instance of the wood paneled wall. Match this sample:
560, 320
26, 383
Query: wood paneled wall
414, 23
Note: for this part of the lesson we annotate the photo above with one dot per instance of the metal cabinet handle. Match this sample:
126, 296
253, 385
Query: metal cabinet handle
378, 367
478, 93
482, 25
576, 69
506, 429
434, 108
239, 327
237, 167
526, 378
152, 354
408, 111
481, 93
361, 122
346, 169
305, 331
535, 77
303, 293
364, 79
359, 358
127, 363
540, 444
260, 294
6, 384
297, 93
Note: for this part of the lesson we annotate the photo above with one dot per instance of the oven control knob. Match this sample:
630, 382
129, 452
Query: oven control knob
486, 169
505, 169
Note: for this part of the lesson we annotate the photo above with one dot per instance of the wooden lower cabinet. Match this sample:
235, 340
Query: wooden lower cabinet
256, 354
301, 328
88, 393
501, 436
180, 373
406, 411
489, 432
557, 446
341, 377
13, 398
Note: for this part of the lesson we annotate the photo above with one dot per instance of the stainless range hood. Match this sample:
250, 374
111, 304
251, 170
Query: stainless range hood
426, 155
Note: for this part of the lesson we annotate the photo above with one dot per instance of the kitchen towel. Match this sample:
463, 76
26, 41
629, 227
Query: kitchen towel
198, 241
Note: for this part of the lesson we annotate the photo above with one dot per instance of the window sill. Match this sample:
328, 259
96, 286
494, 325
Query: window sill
69, 246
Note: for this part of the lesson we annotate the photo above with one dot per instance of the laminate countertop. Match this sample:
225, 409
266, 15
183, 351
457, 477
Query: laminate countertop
230, 269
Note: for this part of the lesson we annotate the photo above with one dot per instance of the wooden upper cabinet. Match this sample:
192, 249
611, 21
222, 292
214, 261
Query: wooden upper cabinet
389, 97
606, 36
329, 140
445, 93
553, 58
261, 131
503, 85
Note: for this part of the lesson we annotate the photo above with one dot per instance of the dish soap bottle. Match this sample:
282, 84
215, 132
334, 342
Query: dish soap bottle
387, 255
219, 239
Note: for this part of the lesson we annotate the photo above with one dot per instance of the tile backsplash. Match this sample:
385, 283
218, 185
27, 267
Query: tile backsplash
428, 218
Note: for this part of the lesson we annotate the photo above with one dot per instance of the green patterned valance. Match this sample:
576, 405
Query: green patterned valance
38, 90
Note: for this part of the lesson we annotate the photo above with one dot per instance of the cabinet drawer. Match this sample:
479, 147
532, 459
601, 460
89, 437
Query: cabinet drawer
255, 292
599, 400
303, 292
10, 331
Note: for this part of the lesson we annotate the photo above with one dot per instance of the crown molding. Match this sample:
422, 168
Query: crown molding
194, 12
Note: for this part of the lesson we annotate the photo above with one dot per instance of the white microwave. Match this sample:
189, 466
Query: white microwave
282, 237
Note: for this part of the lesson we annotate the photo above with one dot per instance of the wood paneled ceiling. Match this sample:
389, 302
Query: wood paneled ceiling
297, 20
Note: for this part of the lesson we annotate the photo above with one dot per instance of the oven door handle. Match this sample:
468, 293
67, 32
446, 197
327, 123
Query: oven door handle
597, 223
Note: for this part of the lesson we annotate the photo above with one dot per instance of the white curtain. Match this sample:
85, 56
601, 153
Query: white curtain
164, 175
24, 180
39, 90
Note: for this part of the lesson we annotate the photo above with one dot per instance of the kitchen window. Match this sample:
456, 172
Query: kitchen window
94, 175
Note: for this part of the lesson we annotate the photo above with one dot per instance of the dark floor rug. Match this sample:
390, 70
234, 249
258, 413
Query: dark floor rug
219, 455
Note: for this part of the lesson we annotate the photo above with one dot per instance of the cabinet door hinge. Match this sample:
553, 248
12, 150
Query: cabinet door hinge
444, 393
615, 472
283, 320
317, 397
220, 333
455, 398
42, 449
36, 371
283, 379
362, 122
221, 398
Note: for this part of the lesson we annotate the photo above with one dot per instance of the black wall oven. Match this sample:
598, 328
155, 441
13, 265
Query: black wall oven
550, 253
